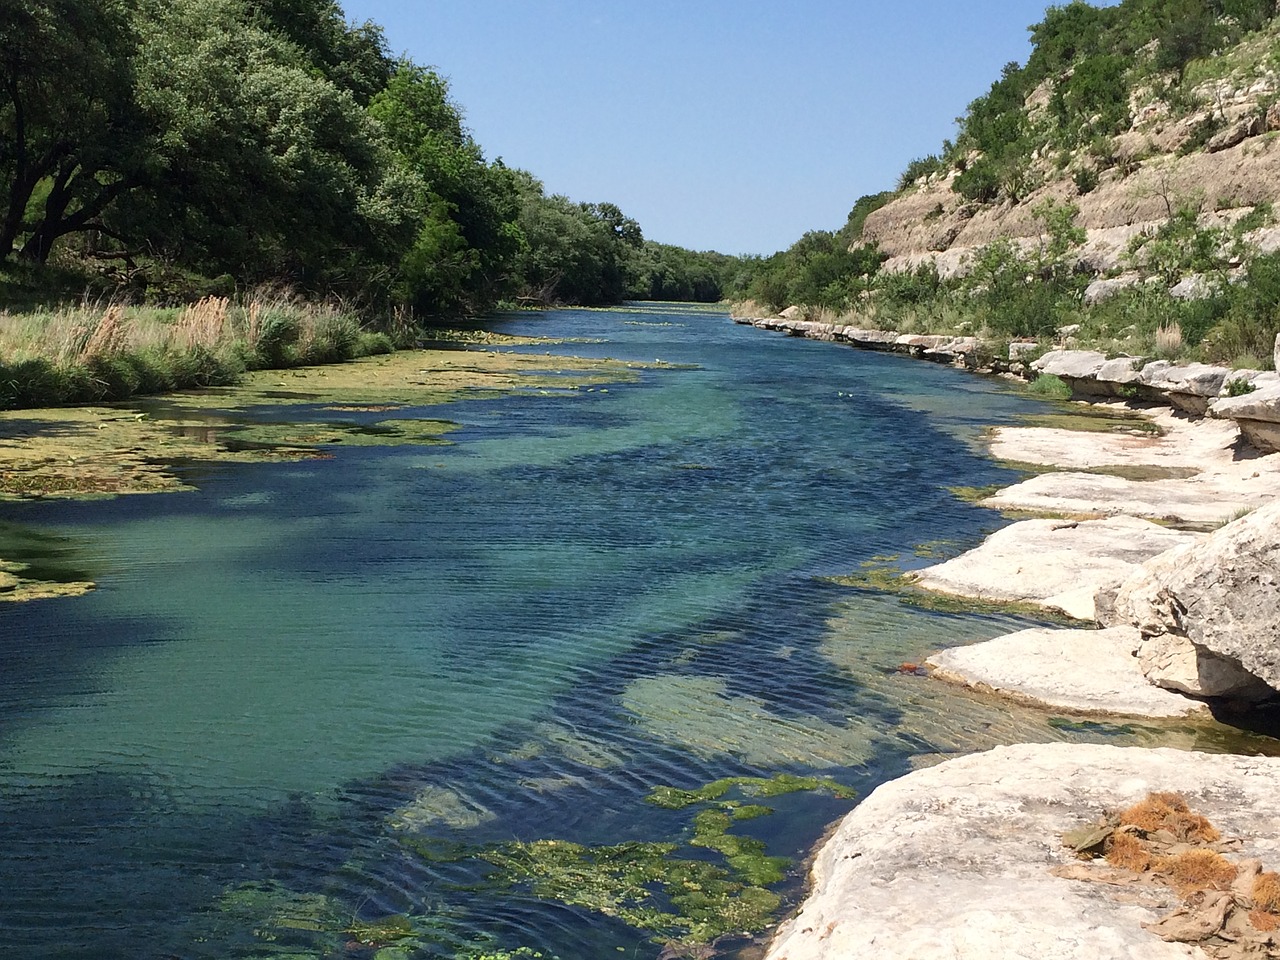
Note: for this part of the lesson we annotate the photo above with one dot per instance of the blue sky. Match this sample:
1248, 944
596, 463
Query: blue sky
733, 126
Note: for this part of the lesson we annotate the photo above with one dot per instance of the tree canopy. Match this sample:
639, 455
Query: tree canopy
271, 140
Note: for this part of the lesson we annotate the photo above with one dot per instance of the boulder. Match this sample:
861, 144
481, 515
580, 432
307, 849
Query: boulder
1084, 671
1120, 372
1021, 348
1257, 414
1102, 290
1057, 564
1194, 287
869, 339
961, 860
1189, 387
1070, 364
1209, 612
792, 313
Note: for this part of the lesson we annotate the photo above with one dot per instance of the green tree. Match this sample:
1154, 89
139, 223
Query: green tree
69, 129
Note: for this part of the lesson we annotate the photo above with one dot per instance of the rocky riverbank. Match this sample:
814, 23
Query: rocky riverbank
1162, 537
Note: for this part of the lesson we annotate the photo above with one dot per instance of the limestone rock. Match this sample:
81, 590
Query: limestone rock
1058, 564
1085, 671
1070, 364
1194, 287
1020, 348
954, 861
1198, 379
1209, 612
1102, 290
1120, 371
1206, 499
1257, 414
792, 313
1189, 387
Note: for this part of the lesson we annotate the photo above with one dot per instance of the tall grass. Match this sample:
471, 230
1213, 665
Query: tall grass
111, 351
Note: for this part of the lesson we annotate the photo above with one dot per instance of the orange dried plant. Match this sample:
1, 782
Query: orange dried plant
1149, 815
1266, 892
1198, 870
1126, 851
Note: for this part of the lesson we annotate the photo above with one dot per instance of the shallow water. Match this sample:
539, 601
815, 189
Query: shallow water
516, 635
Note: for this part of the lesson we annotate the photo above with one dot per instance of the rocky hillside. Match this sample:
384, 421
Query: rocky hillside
1131, 138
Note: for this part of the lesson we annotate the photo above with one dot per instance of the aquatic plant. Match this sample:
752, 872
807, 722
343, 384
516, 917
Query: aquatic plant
685, 901
673, 798
642, 884
285, 923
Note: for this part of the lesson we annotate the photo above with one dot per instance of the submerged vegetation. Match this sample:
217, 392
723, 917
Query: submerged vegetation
688, 895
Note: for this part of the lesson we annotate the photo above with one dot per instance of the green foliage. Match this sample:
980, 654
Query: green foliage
1050, 387
1085, 179
851, 232
271, 141
920, 167
1179, 246
820, 269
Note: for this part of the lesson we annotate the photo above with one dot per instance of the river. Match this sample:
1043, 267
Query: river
516, 635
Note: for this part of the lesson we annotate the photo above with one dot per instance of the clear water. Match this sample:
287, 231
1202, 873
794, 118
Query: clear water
585, 595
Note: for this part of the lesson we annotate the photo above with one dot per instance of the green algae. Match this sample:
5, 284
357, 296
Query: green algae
974, 494
892, 581
642, 884
659, 887
1089, 419
283, 923
350, 434
935, 549
673, 798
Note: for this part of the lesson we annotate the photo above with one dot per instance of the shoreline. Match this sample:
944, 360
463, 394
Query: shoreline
1189, 471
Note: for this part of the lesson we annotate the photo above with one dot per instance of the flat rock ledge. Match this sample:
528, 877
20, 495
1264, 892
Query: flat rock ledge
1080, 671
1056, 564
954, 861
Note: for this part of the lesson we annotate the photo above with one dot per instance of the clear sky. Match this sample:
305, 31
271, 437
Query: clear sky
731, 125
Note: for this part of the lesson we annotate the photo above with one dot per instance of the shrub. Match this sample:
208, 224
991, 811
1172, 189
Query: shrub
979, 184
920, 167
1050, 387
1086, 180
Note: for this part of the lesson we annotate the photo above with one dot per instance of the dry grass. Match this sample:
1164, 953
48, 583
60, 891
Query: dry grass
1149, 814
1127, 852
1266, 892
1169, 342
203, 324
1197, 870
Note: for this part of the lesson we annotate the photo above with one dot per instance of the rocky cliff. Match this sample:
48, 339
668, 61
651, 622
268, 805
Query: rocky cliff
1211, 146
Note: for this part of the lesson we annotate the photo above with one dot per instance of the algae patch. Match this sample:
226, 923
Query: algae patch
92, 451
267, 919
673, 798
696, 713
685, 901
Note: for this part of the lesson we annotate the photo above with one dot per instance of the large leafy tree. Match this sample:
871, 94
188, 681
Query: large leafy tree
461, 256
71, 137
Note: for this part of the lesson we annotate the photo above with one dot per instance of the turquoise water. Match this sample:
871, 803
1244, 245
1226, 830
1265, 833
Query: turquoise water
513, 636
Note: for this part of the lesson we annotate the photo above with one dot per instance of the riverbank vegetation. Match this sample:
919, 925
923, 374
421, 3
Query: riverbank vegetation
160, 162
1194, 288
